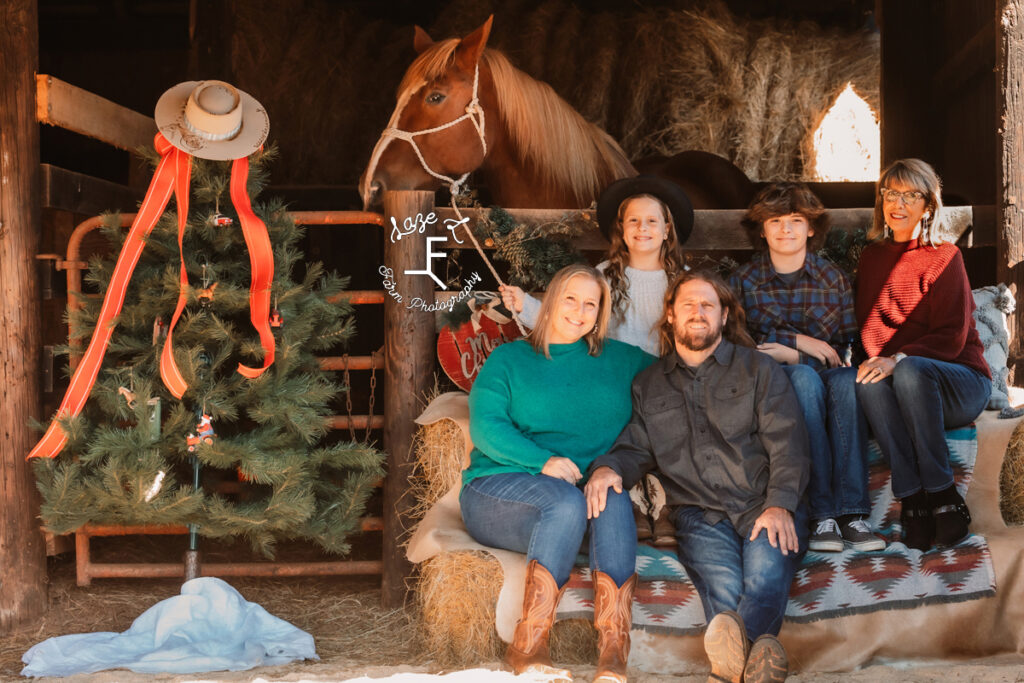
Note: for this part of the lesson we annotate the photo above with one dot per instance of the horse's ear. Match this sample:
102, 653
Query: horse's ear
467, 55
421, 40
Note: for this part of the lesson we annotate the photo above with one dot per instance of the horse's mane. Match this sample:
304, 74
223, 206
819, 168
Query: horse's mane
563, 148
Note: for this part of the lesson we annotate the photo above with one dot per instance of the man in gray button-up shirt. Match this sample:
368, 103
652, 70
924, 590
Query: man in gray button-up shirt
719, 423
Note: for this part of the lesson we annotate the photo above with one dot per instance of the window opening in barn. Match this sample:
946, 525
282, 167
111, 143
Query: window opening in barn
848, 141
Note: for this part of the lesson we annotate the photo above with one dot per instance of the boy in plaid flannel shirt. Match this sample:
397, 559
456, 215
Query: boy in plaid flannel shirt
800, 312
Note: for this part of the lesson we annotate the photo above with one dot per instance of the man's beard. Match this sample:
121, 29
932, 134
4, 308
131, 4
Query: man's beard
697, 341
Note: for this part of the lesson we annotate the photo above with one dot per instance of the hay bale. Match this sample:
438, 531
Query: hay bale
456, 596
1011, 479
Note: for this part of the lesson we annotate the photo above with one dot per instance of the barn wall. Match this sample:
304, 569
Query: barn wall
939, 91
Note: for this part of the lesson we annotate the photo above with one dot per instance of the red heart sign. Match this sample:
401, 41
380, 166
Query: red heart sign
462, 353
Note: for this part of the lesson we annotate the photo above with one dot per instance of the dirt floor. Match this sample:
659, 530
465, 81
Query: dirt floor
355, 638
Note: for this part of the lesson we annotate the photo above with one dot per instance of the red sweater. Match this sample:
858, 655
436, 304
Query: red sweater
917, 300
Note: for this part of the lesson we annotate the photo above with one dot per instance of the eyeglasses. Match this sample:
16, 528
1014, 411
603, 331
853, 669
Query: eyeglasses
909, 197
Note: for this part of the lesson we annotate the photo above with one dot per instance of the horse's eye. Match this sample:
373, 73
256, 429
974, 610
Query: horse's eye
435, 97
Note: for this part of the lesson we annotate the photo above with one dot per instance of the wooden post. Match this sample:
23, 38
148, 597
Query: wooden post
409, 363
22, 551
1010, 164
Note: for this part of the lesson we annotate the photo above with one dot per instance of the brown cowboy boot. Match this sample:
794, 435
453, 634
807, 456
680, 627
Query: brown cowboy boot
529, 648
613, 612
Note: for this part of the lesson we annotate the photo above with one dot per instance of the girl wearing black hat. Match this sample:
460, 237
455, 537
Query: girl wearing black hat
645, 219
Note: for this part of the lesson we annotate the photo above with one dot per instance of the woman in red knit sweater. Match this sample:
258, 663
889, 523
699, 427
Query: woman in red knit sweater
925, 372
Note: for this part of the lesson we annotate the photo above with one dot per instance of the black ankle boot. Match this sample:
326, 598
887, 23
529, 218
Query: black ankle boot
918, 523
951, 517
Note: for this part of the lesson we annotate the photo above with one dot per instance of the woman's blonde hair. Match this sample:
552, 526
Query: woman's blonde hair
541, 334
923, 178
618, 255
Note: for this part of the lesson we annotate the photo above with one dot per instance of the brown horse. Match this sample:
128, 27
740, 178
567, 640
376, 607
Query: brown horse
463, 108
536, 150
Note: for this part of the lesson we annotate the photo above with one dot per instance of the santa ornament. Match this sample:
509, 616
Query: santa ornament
462, 351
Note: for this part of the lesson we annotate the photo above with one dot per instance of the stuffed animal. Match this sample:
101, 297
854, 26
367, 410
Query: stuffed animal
993, 305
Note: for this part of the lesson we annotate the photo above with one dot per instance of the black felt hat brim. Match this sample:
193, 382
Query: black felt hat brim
675, 198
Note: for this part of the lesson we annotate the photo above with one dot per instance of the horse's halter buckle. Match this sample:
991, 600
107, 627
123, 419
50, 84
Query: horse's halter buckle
474, 112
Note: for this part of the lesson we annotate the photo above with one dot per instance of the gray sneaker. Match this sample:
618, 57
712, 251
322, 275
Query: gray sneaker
826, 537
858, 536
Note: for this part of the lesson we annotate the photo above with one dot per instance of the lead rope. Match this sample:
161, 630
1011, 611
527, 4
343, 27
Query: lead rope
475, 114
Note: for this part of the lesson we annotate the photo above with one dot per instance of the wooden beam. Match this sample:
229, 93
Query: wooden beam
22, 549
973, 56
1009, 23
409, 366
66, 106
79, 193
720, 229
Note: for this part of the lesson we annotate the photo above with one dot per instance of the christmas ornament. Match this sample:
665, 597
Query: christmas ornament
221, 221
159, 330
155, 487
204, 433
129, 396
462, 351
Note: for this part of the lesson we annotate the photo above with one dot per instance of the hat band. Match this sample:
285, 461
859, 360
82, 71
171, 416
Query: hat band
213, 137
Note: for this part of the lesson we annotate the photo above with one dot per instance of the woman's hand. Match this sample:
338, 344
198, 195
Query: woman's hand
512, 297
875, 369
786, 355
596, 490
562, 468
816, 348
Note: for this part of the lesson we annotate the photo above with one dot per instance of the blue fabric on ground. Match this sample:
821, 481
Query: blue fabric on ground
209, 627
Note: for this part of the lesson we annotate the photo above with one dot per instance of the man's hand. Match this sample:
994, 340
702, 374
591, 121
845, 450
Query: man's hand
778, 523
596, 490
786, 355
816, 348
562, 468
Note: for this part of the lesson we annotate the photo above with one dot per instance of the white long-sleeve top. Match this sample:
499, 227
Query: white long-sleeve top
643, 310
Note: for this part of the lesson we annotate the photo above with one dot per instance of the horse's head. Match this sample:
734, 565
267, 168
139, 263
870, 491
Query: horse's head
436, 133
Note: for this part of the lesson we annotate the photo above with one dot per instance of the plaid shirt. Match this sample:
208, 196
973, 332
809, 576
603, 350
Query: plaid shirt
818, 304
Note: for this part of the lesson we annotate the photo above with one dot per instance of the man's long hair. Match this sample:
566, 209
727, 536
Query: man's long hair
735, 328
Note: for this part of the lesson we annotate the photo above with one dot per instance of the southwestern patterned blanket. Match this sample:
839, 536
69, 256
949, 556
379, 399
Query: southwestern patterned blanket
827, 584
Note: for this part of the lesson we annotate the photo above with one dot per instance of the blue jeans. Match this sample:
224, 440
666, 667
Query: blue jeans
546, 518
732, 572
909, 413
838, 439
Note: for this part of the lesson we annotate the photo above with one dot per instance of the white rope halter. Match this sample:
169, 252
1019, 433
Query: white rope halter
475, 115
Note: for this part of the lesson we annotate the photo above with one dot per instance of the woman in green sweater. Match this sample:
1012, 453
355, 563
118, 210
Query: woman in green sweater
540, 412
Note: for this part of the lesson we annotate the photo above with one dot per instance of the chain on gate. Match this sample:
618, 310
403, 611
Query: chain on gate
347, 378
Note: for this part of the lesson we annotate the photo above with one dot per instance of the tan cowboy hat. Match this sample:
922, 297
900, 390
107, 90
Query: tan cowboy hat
212, 120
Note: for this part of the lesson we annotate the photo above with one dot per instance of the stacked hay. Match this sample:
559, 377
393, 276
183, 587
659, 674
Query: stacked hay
752, 91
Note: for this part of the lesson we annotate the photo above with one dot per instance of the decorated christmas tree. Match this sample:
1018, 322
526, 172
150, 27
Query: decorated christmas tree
266, 466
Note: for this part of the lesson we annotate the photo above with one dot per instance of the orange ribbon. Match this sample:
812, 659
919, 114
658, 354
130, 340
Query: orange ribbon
173, 174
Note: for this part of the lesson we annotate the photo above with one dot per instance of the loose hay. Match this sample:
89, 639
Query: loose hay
438, 448
1011, 479
457, 594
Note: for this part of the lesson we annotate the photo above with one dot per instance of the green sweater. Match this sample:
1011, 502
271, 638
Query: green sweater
525, 408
